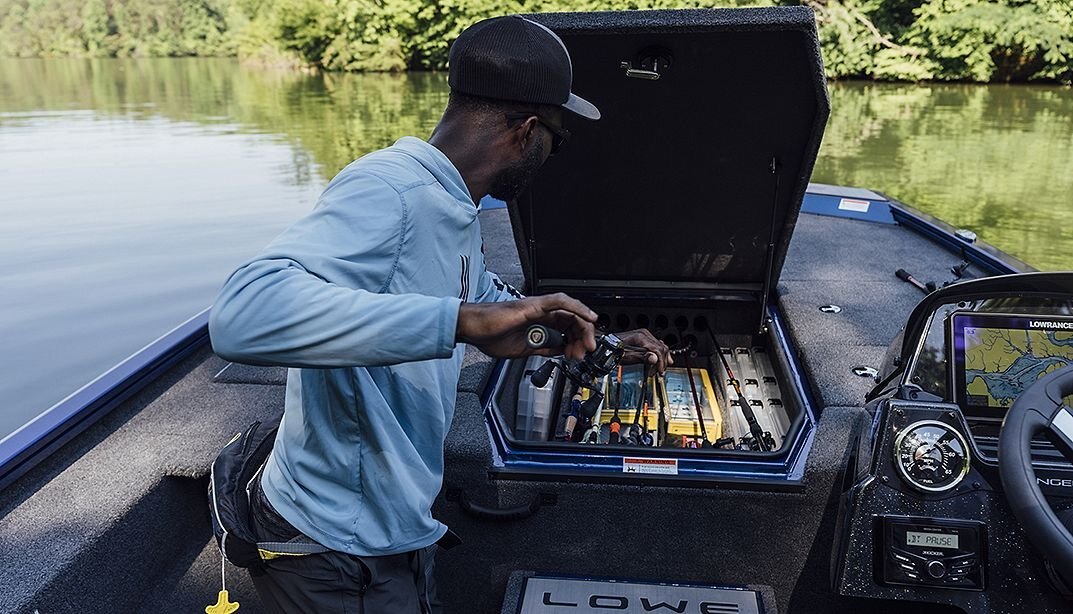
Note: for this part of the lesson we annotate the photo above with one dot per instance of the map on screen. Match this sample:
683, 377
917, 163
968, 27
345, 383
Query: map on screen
997, 356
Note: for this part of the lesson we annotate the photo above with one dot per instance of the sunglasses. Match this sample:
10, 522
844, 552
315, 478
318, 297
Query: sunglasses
559, 135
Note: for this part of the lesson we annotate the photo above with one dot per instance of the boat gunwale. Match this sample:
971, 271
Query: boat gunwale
33, 442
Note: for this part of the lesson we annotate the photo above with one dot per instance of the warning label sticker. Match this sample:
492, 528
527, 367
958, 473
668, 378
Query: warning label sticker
851, 204
660, 466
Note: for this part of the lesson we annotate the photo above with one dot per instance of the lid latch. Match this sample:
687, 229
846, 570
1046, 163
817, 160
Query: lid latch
650, 62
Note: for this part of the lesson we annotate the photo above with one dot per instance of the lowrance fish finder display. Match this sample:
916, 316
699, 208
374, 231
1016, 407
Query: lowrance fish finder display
997, 356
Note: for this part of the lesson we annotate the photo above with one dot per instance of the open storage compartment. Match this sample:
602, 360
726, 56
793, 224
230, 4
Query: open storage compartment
694, 405
674, 213
528, 423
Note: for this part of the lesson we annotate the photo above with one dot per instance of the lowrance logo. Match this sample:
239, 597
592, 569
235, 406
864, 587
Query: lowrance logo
1049, 324
1055, 482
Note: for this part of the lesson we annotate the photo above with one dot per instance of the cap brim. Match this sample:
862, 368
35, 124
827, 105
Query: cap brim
580, 106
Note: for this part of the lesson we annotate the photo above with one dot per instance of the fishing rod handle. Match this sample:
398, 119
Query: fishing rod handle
571, 424
904, 275
538, 337
755, 429
642, 401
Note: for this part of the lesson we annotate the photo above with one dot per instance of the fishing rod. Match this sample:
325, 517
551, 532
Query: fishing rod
636, 433
700, 415
904, 275
592, 423
616, 423
592, 435
573, 413
747, 411
584, 373
646, 436
661, 421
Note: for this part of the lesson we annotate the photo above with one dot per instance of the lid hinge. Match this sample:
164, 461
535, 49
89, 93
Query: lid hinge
769, 269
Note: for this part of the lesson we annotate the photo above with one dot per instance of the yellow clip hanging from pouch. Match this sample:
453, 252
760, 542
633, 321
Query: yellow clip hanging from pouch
222, 606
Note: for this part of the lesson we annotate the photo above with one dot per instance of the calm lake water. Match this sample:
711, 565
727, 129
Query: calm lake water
129, 189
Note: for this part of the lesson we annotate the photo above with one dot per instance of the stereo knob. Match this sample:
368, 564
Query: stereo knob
936, 569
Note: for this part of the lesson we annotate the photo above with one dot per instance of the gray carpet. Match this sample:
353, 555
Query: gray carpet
851, 264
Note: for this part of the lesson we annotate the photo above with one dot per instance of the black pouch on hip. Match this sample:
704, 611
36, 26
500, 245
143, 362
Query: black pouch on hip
233, 472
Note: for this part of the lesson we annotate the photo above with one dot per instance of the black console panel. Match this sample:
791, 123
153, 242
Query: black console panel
923, 518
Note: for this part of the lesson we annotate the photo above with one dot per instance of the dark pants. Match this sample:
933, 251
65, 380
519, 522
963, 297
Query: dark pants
336, 582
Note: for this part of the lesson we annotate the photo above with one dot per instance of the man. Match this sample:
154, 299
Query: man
369, 298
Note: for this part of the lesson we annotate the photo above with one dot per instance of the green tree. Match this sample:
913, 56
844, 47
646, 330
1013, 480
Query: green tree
304, 26
98, 29
908, 40
1009, 40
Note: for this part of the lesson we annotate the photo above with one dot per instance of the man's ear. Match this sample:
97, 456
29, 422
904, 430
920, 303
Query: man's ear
522, 133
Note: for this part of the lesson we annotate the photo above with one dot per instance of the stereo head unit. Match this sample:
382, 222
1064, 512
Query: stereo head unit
996, 356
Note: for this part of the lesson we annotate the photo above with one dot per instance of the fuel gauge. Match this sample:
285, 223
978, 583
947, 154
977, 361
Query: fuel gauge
931, 456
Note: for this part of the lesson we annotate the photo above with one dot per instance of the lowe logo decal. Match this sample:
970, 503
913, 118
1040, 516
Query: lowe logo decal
544, 595
621, 603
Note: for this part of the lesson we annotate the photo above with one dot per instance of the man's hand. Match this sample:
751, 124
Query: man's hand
498, 329
655, 351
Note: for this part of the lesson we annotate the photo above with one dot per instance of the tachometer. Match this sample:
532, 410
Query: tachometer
931, 456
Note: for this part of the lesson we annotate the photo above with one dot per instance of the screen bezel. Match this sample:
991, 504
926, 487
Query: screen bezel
955, 344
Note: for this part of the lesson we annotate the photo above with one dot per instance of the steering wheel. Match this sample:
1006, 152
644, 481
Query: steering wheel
1038, 409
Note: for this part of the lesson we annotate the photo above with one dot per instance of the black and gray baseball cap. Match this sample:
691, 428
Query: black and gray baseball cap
513, 58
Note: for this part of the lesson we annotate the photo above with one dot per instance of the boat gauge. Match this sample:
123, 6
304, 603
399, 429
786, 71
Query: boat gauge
931, 456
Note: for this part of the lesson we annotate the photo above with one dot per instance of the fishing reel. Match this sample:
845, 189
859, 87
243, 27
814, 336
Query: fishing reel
749, 442
584, 373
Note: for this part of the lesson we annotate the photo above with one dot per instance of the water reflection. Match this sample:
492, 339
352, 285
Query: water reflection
333, 117
995, 159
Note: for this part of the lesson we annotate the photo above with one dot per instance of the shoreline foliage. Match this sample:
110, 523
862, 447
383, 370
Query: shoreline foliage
897, 40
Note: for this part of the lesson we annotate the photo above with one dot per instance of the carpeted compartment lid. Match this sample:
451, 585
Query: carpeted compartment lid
673, 186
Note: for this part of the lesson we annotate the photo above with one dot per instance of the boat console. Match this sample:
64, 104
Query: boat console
959, 492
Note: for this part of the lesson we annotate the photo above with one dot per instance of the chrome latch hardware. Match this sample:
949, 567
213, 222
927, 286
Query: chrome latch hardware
864, 371
640, 73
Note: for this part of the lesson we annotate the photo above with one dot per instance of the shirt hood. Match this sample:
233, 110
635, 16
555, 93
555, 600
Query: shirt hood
439, 165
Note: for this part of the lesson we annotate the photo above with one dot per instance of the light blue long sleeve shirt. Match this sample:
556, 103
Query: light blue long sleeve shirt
361, 299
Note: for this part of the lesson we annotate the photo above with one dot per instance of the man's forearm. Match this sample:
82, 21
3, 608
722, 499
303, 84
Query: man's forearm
275, 313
